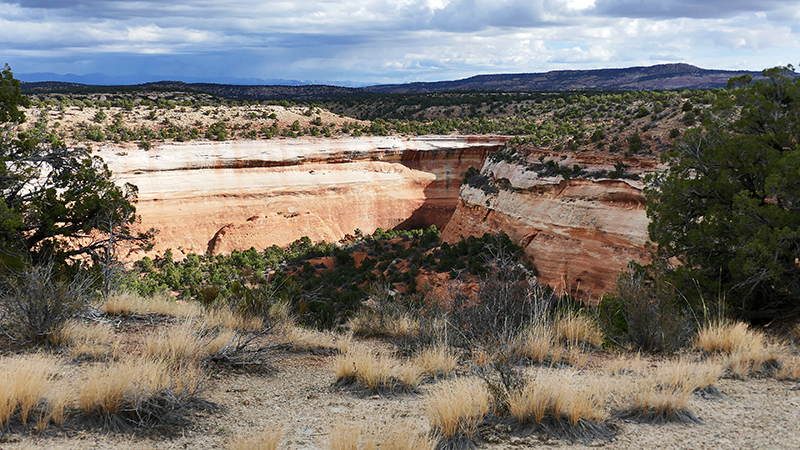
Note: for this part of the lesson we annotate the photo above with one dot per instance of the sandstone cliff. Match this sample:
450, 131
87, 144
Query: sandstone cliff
581, 233
220, 196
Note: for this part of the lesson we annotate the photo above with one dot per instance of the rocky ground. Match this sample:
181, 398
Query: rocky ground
300, 397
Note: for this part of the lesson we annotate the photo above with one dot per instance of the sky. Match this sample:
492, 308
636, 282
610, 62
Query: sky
348, 42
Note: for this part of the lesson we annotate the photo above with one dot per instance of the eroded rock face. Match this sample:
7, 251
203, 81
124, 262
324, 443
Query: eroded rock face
219, 196
581, 233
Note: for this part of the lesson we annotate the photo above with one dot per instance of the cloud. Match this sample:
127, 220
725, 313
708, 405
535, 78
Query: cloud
705, 9
390, 40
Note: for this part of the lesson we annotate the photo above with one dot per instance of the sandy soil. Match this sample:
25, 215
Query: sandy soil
300, 397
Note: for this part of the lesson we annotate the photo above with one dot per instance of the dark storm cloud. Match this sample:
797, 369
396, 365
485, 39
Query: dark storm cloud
695, 9
474, 15
389, 40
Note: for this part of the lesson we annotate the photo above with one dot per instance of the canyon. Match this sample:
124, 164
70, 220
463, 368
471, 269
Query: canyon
216, 197
581, 233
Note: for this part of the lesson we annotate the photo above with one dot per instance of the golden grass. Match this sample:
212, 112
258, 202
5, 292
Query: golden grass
265, 440
481, 358
456, 407
350, 436
94, 340
401, 438
651, 401
751, 361
218, 342
303, 339
107, 389
534, 343
377, 372
344, 436
728, 338
367, 322
436, 360
557, 395
689, 376
745, 350
409, 374
23, 383
280, 311
576, 357
625, 364
359, 364
59, 401
126, 303
226, 319
790, 368
573, 329
179, 345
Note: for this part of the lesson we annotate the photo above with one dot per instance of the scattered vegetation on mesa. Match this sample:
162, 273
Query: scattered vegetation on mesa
610, 121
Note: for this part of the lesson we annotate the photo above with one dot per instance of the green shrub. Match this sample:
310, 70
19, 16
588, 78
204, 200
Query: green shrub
647, 313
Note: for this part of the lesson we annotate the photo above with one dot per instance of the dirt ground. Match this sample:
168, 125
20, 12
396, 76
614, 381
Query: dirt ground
300, 397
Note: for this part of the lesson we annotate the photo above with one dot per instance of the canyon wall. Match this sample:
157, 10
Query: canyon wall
219, 196
580, 233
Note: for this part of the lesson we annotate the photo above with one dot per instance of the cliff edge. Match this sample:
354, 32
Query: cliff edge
580, 232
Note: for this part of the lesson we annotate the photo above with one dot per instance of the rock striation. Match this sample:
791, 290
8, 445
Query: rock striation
216, 197
581, 233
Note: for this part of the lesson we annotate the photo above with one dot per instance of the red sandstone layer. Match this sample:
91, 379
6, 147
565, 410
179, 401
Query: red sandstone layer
217, 197
580, 233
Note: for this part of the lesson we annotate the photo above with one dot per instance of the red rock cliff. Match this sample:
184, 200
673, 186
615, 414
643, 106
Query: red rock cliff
581, 233
220, 196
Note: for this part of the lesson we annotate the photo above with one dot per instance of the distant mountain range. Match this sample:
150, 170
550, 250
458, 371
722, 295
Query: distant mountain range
659, 77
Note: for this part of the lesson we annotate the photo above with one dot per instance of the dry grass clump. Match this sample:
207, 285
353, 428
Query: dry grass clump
577, 329
300, 339
728, 338
401, 438
227, 319
692, 377
436, 360
563, 406
369, 323
789, 369
664, 396
87, 340
126, 304
651, 401
456, 408
624, 364
347, 437
179, 345
542, 347
745, 350
265, 440
535, 343
191, 344
23, 383
139, 392
353, 437
359, 365
560, 342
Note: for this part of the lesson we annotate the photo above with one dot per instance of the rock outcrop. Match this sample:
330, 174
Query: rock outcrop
581, 233
219, 196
